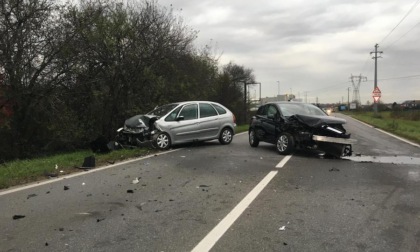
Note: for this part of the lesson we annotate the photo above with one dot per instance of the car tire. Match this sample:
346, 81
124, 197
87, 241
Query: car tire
226, 136
162, 141
285, 143
253, 140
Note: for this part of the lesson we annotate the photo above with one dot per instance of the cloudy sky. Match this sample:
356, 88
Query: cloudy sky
311, 48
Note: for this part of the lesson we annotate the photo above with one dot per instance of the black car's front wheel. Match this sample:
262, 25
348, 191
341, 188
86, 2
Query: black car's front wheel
162, 141
285, 143
253, 140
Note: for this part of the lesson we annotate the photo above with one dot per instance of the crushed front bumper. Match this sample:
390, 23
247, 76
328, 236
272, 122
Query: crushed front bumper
333, 139
338, 147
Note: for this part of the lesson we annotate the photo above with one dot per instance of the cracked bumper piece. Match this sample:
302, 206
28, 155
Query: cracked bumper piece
333, 140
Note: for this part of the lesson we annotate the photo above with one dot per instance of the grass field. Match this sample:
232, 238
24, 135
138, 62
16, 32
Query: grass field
403, 123
24, 171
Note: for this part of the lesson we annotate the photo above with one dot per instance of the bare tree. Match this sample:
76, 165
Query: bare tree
30, 40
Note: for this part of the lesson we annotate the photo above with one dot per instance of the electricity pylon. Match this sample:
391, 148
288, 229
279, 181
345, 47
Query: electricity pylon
356, 80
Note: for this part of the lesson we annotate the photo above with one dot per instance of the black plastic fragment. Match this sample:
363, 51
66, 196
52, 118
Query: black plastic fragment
130, 191
31, 195
66, 188
18, 216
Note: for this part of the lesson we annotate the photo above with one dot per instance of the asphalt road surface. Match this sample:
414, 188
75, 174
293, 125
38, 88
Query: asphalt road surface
228, 198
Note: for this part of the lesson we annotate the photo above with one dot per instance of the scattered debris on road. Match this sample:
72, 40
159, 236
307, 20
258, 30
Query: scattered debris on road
88, 163
66, 188
135, 181
18, 216
334, 169
31, 196
130, 191
282, 228
50, 174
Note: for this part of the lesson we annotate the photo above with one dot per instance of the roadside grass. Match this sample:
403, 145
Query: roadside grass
20, 172
25, 171
241, 128
397, 123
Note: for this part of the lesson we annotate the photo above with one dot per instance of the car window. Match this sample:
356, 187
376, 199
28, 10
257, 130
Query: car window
271, 111
173, 115
189, 112
219, 109
289, 109
162, 110
261, 111
206, 110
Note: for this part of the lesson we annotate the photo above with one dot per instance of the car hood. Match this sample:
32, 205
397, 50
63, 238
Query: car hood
318, 121
139, 121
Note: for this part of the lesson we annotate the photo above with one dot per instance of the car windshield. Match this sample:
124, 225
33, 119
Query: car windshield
163, 110
289, 109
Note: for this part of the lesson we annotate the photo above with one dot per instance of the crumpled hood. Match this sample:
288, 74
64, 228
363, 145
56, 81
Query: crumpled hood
318, 121
139, 121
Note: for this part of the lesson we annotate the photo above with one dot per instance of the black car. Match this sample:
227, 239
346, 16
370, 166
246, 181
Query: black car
291, 125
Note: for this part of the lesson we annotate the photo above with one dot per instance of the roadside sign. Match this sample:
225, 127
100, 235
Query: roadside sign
376, 94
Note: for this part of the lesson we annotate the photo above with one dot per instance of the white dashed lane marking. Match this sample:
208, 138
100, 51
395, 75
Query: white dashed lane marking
217, 232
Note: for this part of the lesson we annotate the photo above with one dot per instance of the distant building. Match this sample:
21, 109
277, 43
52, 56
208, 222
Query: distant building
285, 97
411, 104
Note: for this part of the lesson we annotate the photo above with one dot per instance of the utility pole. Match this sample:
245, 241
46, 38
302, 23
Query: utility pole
375, 105
348, 98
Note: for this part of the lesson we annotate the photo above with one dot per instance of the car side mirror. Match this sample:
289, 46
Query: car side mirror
179, 118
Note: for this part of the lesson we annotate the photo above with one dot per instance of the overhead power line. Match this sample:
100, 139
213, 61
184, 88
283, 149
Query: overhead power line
408, 13
403, 77
402, 36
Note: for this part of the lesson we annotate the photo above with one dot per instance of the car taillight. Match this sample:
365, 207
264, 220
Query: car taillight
234, 118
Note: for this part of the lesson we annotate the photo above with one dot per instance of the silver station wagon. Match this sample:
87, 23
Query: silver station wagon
180, 122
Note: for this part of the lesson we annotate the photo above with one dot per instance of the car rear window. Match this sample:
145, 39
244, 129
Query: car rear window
206, 110
219, 109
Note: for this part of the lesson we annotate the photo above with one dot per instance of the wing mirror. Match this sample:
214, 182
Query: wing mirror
180, 118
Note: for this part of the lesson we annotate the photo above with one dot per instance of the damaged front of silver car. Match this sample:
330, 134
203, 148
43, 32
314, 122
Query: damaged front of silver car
137, 130
324, 133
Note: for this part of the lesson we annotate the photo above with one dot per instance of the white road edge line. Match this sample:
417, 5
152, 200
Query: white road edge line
211, 238
399, 138
8, 191
283, 161
389, 134
35, 184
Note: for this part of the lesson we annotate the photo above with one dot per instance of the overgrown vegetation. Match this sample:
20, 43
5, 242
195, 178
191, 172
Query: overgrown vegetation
70, 73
